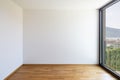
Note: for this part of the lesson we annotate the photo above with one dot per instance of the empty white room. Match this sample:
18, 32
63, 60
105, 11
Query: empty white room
59, 39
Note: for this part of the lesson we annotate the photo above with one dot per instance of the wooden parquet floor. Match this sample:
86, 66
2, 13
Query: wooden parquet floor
61, 72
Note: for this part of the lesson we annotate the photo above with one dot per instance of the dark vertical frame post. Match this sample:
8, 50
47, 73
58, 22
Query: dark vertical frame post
100, 37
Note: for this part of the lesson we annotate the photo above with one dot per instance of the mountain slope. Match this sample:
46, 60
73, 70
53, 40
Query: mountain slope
112, 32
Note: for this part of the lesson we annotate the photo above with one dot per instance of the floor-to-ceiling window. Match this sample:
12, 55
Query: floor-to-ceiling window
110, 37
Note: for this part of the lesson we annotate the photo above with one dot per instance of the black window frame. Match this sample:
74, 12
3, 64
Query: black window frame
101, 37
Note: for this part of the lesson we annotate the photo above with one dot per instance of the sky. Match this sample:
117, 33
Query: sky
113, 16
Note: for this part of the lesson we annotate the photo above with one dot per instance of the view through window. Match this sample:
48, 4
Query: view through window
112, 38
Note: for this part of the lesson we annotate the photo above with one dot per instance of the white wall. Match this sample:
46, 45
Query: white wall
11, 37
60, 36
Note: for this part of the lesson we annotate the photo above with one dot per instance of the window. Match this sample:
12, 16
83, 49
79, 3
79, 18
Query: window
109, 41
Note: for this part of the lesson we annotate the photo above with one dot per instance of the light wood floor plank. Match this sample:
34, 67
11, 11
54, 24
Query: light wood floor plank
61, 72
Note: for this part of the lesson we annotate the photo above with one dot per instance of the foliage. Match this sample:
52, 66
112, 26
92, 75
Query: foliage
112, 58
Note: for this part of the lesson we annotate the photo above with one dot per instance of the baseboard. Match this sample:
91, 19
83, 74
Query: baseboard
13, 72
61, 64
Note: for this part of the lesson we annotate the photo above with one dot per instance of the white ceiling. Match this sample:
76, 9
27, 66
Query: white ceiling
60, 4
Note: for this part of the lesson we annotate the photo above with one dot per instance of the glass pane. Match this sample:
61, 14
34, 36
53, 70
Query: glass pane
112, 38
